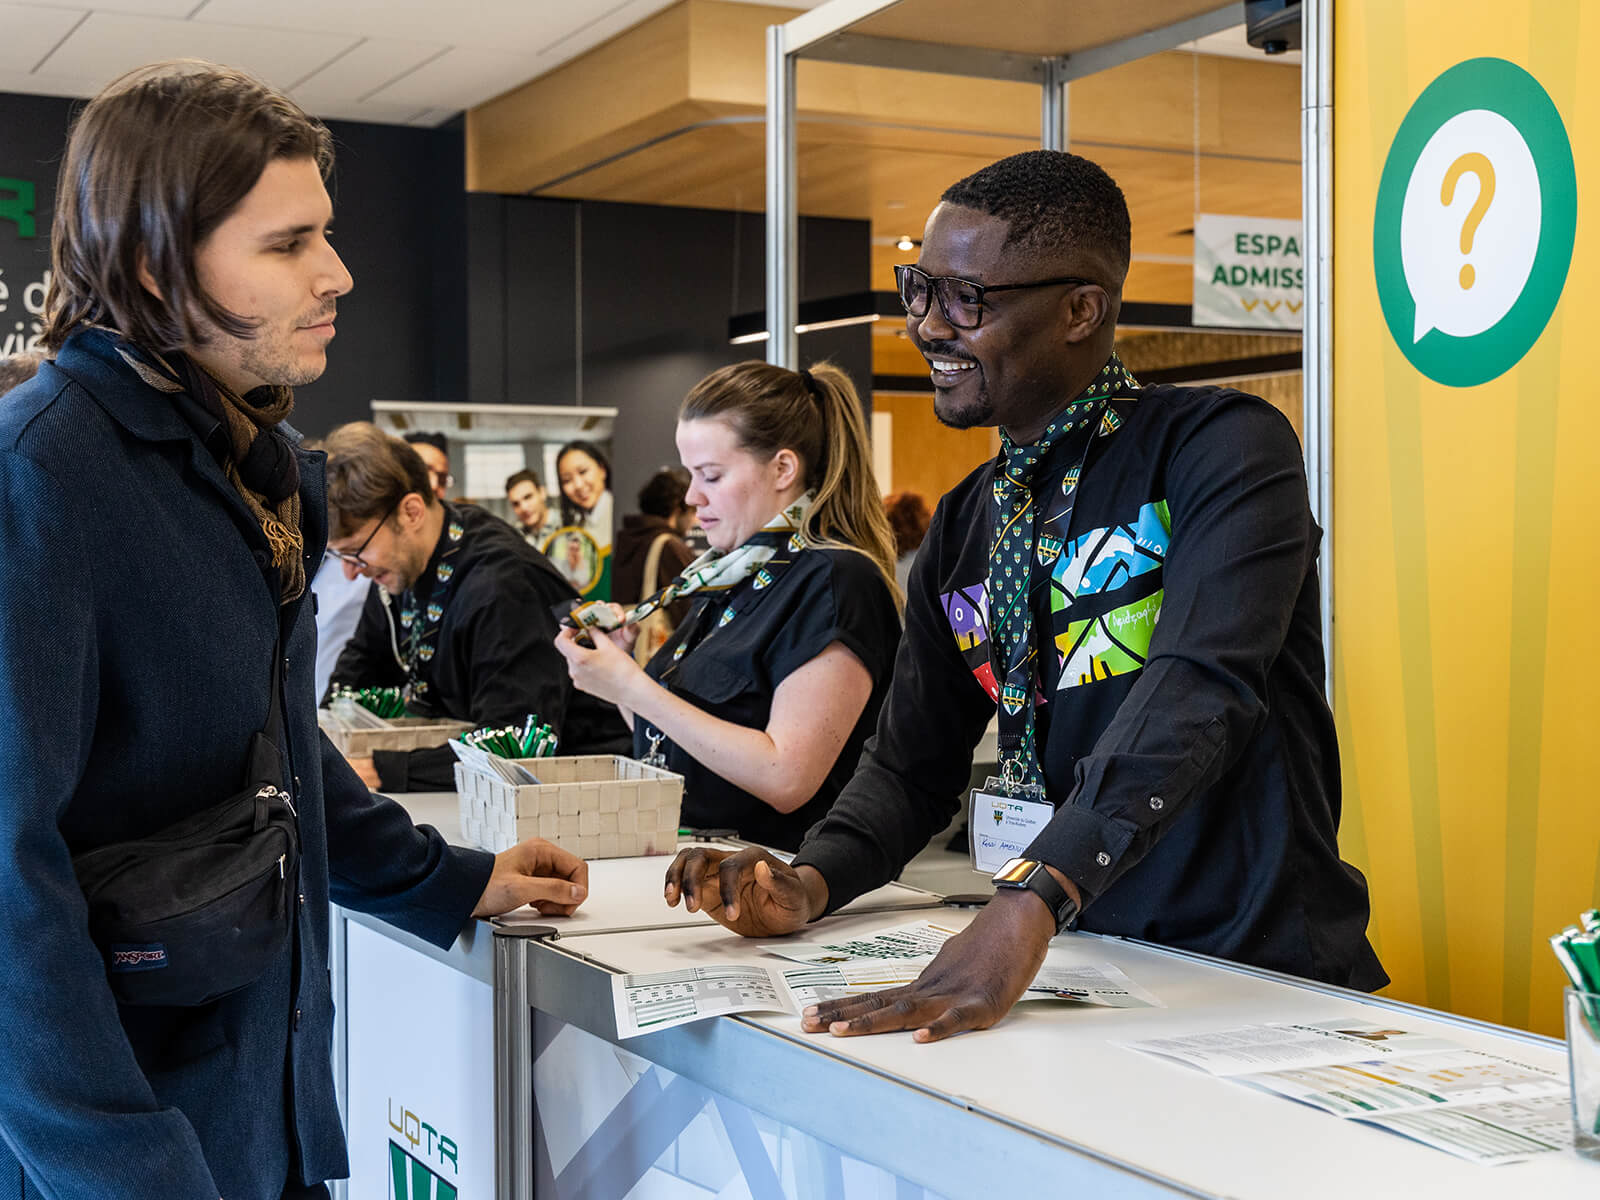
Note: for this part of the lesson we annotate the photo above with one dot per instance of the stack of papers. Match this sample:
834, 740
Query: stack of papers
1476, 1106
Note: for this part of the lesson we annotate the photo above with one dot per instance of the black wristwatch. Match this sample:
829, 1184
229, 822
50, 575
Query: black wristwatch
1026, 874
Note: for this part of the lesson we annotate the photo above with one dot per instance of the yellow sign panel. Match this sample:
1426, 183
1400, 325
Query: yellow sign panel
1466, 467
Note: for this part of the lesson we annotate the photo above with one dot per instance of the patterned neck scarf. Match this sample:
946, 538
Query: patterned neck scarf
721, 570
1011, 554
260, 463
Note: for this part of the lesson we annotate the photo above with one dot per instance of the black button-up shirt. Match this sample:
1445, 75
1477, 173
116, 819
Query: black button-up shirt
1182, 729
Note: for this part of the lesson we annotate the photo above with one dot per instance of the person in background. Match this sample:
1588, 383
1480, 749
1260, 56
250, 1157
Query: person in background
158, 523
657, 528
530, 507
19, 368
908, 517
434, 450
1130, 588
584, 474
764, 696
472, 639
650, 550
339, 598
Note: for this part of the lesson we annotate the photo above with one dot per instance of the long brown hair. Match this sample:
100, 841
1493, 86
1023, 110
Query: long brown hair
153, 165
770, 409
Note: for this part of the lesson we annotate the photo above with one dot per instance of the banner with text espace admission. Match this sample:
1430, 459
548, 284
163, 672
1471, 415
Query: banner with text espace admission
1466, 472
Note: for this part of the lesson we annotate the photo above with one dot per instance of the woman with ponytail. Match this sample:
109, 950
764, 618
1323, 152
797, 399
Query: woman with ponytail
764, 695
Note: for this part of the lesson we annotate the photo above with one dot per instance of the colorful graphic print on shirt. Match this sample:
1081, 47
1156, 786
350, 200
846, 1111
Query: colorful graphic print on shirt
1100, 562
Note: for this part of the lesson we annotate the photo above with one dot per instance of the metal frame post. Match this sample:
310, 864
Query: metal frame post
783, 292
513, 1069
1316, 198
1053, 105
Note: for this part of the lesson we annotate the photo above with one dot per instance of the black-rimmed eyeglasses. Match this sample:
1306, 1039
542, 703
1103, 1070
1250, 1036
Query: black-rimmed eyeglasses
354, 557
960, 300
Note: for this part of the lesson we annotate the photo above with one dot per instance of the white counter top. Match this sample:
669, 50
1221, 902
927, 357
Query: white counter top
1056, 1068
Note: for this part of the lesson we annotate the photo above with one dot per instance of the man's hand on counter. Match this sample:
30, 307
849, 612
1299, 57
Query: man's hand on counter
536, 872
749, 891
973, 982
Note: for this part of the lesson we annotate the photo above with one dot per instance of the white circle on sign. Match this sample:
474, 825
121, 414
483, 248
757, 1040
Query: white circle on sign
1504, 240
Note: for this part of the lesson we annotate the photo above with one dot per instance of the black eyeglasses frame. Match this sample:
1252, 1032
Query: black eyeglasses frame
939, 284
354, 558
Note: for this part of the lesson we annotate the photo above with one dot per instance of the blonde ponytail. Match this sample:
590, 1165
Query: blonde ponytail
817, 414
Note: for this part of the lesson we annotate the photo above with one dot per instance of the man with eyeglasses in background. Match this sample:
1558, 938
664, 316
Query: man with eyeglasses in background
434, 450
461, 618
1131, 586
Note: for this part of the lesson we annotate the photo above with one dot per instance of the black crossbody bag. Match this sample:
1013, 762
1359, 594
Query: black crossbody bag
203, 907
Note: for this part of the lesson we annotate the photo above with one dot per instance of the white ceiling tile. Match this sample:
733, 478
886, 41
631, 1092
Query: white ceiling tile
108, 44
362, 70
32, 32
510, 26
349, 110
458, 79
148, 8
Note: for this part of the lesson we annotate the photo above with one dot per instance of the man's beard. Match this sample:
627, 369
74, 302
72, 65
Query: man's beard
978, 412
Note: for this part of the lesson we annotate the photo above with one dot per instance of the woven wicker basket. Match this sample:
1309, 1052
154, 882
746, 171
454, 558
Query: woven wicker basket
597, 806
406, 733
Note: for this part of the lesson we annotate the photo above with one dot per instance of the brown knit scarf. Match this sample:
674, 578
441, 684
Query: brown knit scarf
260, 464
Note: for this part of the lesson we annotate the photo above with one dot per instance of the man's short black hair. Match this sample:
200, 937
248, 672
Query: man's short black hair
663, 495
437, 440
1052, 201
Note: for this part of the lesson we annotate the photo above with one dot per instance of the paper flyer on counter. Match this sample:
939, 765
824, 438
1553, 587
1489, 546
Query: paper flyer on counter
918, 940
1477, 1106
663, 999
1101, 984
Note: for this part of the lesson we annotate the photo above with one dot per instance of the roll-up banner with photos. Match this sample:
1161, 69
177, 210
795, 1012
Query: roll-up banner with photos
1466, 474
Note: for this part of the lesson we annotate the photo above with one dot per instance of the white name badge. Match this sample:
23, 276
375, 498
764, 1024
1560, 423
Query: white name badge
1002, 827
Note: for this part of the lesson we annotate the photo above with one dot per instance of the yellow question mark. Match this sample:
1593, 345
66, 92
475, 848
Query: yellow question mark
1484, 170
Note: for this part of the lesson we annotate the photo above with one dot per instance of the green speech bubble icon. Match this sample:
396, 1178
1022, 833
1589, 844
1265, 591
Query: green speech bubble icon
1474, 224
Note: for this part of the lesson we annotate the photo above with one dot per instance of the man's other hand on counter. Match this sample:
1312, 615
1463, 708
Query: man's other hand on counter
749, 891
973, 982
536, 872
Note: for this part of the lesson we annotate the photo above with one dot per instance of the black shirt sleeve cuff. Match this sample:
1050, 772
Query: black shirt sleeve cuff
1084, 846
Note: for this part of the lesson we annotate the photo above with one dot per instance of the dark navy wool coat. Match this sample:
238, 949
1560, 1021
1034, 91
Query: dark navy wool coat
137, 629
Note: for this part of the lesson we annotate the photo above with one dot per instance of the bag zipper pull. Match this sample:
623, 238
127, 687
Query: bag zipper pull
281, 873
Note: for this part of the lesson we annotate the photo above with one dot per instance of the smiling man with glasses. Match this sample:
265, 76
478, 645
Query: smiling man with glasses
1131, 588
461, 618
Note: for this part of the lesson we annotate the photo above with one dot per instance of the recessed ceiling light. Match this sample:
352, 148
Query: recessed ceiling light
905, 242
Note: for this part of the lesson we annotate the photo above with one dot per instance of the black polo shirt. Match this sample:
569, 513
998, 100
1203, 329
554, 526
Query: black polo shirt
826, 596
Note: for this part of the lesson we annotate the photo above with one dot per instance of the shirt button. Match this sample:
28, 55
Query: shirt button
297, 1020
1103, 859
1156, 802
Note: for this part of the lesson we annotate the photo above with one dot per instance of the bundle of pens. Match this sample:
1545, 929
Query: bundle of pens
386, 702
534, 739
1579, 956
495, 749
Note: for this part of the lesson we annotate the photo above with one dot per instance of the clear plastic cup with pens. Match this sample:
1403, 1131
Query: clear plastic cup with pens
1578, 951
1583, 1056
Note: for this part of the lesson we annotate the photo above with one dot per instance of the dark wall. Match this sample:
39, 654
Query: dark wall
645, 317
33, 131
